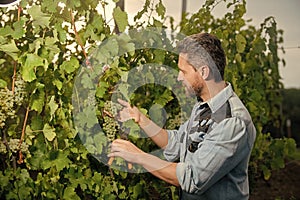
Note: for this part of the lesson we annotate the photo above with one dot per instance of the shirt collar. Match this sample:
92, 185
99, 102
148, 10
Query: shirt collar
217, 101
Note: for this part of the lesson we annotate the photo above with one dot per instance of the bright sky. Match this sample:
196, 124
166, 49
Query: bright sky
286, 13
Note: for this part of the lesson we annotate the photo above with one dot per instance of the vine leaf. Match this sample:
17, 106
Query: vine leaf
39, 18
70, 65
69, 193
160, 9
121, 18
49, 132
38, 100
32, 61
9, 47
53, 107
18, 29
3, 83
240, 43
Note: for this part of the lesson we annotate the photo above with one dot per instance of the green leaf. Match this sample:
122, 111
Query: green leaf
123, 88
19, 30
87, 82
70, 65
28, 70
121, 18
39, 18
53, 107
37, 101
100, 141
5, 31
107, 50
49, 132
240, 43
160, 9
69, 193
101, 89
3, 83
9, 47
137, 190
61, 161
266, 172
62, 34
58, 84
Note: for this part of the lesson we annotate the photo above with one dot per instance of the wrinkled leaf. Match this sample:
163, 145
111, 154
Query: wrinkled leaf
49, 132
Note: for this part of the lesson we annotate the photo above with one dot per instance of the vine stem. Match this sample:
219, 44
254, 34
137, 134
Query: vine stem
20, 160
14, 78
79, 41
24, 126
15, 62
19, 11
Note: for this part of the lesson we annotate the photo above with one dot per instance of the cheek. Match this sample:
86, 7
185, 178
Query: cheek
197, 80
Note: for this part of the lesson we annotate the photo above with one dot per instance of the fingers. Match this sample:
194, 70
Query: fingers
118, 145
124, 103
124, 149
128, 112
118, 149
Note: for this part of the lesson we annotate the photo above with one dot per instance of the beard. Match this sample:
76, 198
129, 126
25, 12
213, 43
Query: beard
194, 90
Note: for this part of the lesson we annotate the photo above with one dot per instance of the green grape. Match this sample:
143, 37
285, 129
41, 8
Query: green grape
6, 106
110, 125
91, 100
20, 92
2, 147
9, 101
14, 145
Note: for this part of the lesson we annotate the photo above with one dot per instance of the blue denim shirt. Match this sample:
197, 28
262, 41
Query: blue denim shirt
218, 169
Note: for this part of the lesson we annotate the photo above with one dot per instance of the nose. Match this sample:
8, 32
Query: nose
180, 76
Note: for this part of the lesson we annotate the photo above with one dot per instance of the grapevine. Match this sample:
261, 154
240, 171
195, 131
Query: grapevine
9, 101
111, 127
35, 44
14, 146
6, 106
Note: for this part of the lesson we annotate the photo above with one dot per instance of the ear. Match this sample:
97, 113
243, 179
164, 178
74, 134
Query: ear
204, 71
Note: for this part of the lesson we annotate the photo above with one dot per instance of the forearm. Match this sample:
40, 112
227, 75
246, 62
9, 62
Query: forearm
164, 170
156, 133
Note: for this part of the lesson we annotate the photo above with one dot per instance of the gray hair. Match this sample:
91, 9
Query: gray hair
204, 49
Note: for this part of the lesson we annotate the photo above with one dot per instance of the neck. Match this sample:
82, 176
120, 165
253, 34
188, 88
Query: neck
211, 89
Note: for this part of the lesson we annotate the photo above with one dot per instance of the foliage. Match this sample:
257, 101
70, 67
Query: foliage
291, 110
57, 120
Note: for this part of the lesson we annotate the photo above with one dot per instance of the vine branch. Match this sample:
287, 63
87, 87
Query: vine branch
23, 135
15, 62
79, 41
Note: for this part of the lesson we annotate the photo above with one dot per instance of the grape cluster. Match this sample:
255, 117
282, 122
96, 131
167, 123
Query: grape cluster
91, 100
2, 147
9, 100
20, 92
6, 106
14, 145
110, 125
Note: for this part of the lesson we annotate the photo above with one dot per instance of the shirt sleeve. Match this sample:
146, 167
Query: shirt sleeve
221, 150
175, 138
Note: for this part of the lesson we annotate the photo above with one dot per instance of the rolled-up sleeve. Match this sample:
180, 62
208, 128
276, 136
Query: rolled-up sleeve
175, 138
222, 150
172, 150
